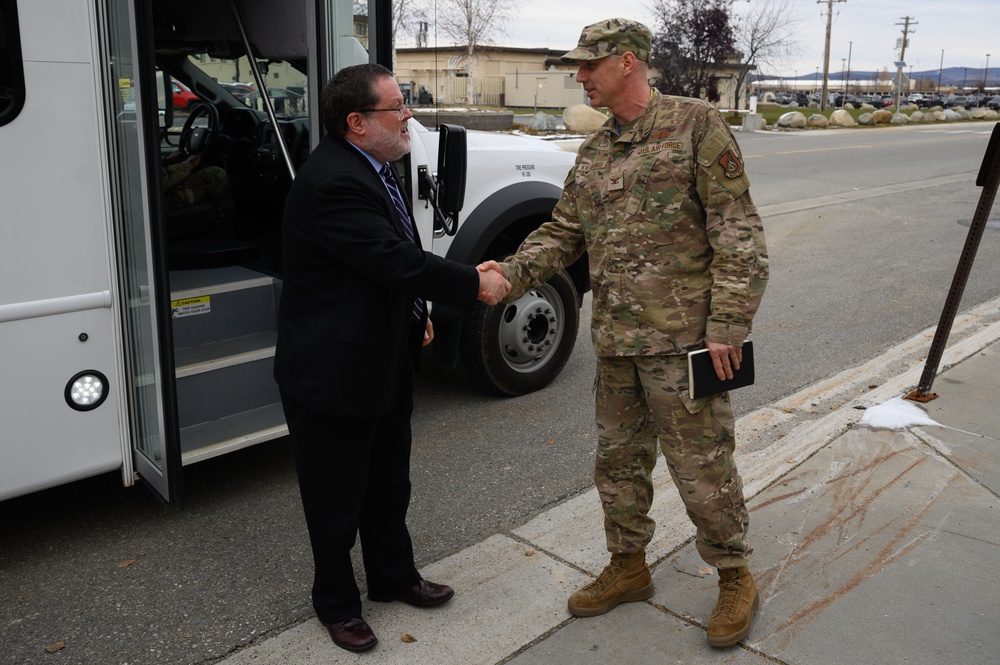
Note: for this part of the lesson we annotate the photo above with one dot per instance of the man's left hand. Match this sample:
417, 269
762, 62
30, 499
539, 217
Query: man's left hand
725, 358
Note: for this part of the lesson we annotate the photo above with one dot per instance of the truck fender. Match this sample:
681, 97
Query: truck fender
480, 231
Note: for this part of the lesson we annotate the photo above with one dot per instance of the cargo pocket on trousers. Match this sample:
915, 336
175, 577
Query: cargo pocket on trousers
693, 406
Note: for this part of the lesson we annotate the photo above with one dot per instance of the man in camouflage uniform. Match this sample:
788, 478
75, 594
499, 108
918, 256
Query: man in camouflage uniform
183, 185
659, 200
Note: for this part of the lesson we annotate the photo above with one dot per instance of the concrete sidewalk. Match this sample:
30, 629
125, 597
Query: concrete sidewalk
870, 545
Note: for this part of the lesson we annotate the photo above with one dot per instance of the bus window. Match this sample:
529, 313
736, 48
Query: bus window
11, 67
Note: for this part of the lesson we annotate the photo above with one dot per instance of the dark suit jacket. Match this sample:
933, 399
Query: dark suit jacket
349, 279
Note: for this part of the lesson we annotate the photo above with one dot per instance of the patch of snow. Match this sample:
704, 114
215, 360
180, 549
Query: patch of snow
896, 414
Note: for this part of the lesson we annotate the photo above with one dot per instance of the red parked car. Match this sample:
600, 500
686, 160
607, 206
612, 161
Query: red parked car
183, 97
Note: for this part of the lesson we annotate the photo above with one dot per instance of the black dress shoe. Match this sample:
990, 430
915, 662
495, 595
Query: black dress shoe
422, 594
353, 634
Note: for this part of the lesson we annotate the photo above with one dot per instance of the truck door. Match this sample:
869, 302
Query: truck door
140, 265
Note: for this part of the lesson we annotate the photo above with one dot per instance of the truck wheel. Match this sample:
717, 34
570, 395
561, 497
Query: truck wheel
518, 348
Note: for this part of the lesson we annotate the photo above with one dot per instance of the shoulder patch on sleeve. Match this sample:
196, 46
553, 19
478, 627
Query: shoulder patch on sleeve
720, 156
731, 163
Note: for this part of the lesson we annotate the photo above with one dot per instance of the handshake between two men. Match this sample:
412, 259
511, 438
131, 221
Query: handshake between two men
493, 286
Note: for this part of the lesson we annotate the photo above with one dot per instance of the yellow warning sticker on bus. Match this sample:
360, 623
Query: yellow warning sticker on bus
190, 307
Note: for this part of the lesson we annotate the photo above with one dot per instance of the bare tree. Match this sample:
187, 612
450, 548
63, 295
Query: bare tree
695, 39
473, 23
765, 36
404, 14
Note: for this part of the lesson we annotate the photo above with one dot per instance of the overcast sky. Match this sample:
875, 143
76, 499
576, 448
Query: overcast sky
966, 29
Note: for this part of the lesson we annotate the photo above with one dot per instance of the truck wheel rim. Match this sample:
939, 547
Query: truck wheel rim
531, 329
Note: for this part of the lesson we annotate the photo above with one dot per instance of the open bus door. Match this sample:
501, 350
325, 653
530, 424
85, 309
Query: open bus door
182, 407
136, 199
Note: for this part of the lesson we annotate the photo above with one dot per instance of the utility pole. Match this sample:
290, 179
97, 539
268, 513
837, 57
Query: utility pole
826, 51
907, 22
940, 68
906, 32
843, 82
850, 48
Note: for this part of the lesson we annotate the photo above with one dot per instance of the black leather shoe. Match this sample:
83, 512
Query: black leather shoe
422, 594
353, 634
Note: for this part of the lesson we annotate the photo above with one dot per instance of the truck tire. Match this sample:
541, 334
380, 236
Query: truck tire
519, 348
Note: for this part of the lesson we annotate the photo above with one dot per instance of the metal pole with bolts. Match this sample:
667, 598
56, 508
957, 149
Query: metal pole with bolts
989, 178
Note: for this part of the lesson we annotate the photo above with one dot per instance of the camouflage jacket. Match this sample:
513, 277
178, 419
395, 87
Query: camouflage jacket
676, 247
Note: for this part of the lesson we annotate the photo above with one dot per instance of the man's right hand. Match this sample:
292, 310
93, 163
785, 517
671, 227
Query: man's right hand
493, 287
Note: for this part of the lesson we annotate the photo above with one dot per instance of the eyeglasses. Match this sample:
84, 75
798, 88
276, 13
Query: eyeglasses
399, 111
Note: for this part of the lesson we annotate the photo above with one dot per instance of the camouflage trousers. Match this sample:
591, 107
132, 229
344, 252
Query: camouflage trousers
208, 184
641, 400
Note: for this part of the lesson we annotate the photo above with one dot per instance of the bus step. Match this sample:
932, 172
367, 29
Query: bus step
241, 430
226, 353
212, 305
231, 389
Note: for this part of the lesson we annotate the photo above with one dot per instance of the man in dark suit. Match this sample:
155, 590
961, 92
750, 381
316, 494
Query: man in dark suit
352, 319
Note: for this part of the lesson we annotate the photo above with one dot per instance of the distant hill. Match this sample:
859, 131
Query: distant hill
950, 76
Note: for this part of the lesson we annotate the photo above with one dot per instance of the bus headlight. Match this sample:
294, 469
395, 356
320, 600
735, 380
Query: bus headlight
87, 390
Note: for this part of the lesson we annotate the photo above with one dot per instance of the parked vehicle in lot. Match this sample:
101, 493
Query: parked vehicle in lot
840, 100
183, 97
237, 90
929, 101
286, 102
994, 102
957, 101
830, 98
874, 100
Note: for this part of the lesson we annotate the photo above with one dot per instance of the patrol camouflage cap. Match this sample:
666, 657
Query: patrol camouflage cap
612, 36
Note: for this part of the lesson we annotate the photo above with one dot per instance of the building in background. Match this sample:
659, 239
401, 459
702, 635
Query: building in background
502, 76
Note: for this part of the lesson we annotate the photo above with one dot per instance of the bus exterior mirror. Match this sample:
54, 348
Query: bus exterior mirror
451, 169
165, 96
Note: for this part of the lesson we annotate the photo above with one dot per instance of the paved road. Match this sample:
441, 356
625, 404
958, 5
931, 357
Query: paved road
864, 234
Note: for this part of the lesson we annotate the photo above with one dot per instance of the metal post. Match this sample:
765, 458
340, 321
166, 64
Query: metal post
265, 98
843, 83
940, 68
850, 48
989, 178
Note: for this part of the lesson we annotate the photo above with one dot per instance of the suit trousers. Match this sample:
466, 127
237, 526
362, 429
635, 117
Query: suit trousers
354, 477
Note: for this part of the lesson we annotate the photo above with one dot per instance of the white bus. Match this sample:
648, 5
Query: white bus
142, 340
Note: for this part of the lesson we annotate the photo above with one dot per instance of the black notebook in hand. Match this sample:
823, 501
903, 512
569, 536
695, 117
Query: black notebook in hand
703, 381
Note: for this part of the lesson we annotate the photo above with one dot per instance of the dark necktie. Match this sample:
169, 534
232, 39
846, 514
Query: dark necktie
404, 217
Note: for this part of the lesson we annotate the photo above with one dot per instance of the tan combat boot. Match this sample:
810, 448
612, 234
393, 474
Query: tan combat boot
623, 580
738, 601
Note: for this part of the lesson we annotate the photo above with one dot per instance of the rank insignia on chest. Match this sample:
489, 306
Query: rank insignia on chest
731, 164
616, 180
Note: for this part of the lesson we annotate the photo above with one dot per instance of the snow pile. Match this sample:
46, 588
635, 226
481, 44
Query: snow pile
897, 413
